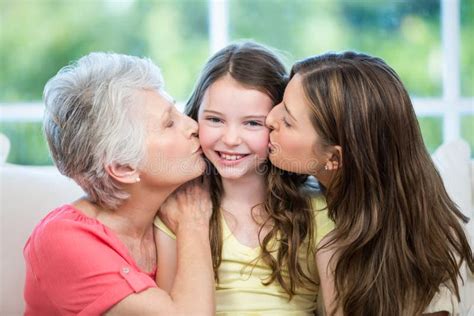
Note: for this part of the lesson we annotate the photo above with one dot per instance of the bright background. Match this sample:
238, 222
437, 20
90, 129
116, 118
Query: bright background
428, 42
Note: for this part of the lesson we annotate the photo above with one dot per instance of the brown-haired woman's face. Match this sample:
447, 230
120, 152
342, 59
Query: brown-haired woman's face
294, 144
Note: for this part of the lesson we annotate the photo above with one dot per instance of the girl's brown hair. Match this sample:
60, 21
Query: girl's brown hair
398, 235
286, 207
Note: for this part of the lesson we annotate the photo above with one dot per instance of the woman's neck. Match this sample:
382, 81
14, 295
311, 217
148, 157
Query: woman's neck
134, 217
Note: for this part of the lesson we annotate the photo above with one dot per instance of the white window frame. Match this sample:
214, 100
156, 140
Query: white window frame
450, 107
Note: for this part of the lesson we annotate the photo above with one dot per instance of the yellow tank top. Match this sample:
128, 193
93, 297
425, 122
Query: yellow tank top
240, 290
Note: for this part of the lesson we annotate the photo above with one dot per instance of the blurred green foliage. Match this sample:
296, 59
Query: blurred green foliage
467, 49
406, 34
37, 38
431, 129
467, 130
28, 145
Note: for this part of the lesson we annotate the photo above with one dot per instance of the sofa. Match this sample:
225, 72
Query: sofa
27, 193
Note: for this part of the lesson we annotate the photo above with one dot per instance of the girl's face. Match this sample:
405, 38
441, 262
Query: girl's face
294, 144
232, 128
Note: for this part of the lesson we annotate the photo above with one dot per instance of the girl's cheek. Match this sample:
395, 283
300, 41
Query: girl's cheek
207, 136
260, 144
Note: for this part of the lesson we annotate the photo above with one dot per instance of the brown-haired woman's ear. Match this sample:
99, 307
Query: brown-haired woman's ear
335, 160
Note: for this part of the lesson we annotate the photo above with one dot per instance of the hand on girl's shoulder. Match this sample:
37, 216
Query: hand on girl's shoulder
189, 204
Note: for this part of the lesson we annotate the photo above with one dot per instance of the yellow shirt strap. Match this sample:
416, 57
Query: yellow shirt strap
162, 226
324, 225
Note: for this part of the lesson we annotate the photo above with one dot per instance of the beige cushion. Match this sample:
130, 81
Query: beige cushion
453, 161
4, 148
27, 195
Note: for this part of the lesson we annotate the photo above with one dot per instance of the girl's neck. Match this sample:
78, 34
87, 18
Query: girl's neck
243, 193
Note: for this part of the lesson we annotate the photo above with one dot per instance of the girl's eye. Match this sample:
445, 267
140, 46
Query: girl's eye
286, 122
254, 123
213, 119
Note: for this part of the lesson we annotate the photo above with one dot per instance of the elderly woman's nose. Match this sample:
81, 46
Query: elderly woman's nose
191, 126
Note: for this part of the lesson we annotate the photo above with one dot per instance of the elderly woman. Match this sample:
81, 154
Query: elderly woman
113, 129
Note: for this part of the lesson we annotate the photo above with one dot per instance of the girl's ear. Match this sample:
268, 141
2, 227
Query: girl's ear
335, 159
123, 173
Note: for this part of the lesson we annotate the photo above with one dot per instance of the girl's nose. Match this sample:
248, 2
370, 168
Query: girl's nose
231, 137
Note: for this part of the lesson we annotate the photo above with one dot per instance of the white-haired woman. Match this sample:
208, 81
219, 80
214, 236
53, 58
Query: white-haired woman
112, 128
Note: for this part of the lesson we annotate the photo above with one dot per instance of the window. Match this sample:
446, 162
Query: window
427, 42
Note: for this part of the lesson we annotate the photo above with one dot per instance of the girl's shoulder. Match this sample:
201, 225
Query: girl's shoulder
160, 225
323, 225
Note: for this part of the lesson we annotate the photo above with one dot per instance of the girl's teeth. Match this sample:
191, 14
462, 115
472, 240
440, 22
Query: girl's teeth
231, 157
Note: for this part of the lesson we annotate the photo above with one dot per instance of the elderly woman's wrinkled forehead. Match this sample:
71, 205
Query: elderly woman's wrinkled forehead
152, 108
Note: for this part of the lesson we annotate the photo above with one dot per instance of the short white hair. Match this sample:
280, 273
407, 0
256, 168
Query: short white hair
91, 119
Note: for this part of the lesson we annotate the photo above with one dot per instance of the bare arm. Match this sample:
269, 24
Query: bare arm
326, 276
192, 292
325, 269
167, 260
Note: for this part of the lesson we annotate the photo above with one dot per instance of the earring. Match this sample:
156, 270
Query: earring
137, 179
326, 167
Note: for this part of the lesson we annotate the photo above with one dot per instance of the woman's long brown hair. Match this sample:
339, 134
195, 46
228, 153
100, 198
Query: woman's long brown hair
398, 234
287, 208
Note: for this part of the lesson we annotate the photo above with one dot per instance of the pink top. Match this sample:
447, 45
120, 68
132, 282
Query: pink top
77, 266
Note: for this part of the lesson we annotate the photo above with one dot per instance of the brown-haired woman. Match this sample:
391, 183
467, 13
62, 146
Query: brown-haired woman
398, 245
262, 235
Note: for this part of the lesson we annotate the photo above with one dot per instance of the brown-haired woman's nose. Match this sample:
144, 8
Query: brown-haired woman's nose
269, 122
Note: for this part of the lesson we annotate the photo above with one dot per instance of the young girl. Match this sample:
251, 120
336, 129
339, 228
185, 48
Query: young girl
262, 236
348, 120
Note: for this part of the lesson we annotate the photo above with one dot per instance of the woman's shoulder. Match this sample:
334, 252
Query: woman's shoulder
68, 215
65, 216
66, 225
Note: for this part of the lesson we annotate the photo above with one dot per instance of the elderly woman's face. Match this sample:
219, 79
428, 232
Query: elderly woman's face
173, 152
